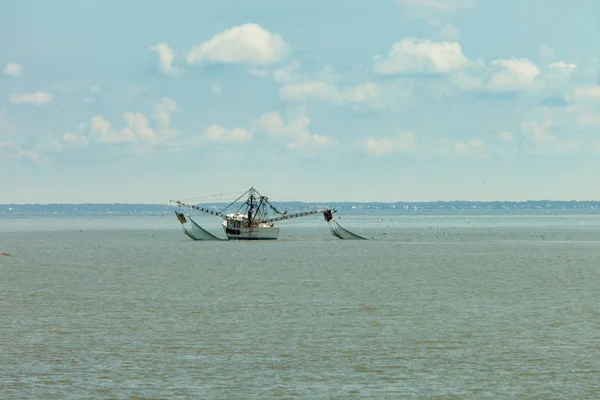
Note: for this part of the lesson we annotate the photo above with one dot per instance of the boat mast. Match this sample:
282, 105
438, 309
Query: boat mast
250, 205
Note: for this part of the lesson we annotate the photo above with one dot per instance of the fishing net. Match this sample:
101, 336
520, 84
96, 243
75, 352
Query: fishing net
342, 233
337, 230
193, 230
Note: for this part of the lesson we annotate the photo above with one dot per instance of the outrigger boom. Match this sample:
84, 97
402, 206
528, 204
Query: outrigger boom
297, 215
206, 210
282, 218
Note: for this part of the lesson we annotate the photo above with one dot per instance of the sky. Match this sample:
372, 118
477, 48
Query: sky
339, 100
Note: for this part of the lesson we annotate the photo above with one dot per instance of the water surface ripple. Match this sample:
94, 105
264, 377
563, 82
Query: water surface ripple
493, 307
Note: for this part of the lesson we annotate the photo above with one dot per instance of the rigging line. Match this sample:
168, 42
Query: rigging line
274, 208
259, 194
289, 199
240, 207
266, 201
281, 197
214, 198
214, 195
269, 203
258, 208
249, 203
235, 201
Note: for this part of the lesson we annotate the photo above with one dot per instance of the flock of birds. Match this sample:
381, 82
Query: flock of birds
438, 232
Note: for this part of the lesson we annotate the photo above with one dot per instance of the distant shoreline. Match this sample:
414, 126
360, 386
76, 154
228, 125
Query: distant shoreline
400, 206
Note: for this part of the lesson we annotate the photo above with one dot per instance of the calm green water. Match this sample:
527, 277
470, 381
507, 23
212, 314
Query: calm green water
446, 307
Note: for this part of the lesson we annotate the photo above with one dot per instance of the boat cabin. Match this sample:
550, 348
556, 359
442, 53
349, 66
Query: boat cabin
240, 221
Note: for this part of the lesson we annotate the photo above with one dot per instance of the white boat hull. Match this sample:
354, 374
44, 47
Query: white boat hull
253, 233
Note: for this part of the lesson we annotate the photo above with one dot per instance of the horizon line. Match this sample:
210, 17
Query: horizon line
312, 201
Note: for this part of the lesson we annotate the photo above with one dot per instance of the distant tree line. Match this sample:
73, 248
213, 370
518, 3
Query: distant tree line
129, 209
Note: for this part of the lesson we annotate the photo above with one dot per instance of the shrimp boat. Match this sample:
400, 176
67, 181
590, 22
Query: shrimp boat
254, 219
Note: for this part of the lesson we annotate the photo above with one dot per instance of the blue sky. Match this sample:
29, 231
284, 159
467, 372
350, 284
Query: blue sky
144, 101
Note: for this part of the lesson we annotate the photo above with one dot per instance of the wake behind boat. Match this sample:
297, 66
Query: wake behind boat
254, 219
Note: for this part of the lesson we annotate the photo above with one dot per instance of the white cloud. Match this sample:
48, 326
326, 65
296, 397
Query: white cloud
288, 73
364, 93
450, 32
590, 93
247, 43
401, 142
48, 144
420, 56
236, 135
100, 125
13, 69
563, 67
272, 123
296, 134
94, 91
102, 129
546, 142
323, 87
537, 132
138, 90
568, 146
37, 98
258, 72
215, 89
417, 57
506, 137
461, 148
304, 91
165, 58
465, 81
75, 139
513, 75
114, 137
164, 109
559, 130
30, 155
472, 148
589, 117
556, 79
138, 125
51, 144
64, 88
